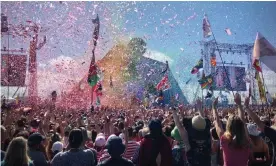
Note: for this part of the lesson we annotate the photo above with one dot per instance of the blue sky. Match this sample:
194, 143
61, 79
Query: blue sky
164, 25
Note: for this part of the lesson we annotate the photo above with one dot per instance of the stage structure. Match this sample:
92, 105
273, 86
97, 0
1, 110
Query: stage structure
31, 30
210, 50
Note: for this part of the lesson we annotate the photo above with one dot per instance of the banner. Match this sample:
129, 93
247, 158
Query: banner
236, 78
265, 52
261, 87
13, 70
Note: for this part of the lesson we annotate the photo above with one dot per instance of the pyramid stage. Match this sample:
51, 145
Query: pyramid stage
131, 75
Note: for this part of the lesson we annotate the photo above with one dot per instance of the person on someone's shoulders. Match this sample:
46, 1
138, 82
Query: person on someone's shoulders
76, 155
17, 154
115, 148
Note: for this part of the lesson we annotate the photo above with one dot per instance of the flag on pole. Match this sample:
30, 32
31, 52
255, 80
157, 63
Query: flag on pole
249, 90
198, 66
96, 32
206, 27
163, 84
257, 65
228, 31
98, 89
93, 77
110, 82
166, 69
98, 101
265, 52
261, 87
206, 81
213, 61
209, 93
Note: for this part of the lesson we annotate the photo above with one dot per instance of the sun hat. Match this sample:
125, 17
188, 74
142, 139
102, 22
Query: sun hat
198, 122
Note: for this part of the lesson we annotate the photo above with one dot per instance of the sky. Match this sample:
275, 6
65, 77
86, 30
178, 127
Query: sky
172, 31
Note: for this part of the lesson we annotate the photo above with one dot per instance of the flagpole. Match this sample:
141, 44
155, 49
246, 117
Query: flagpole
93, 61
202, 98
265, 88
222, 60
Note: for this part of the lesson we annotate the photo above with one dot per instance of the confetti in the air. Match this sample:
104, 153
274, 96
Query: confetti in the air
228, 31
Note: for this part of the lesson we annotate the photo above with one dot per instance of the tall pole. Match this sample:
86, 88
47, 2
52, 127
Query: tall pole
265, 88
8, 66
32, 90
222, 61
34, 46
202, 106
93, 61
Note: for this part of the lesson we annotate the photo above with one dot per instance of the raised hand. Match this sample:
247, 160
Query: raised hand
237, 99
246, 102
215, 103
198, 104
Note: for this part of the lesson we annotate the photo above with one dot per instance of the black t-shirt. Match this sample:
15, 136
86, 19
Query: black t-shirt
270, 138
116, 161
200, 142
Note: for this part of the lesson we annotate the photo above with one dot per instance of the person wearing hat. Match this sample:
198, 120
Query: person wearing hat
99, 145
115, 148
37, 149
57, 147
155, 148
269, 133
259, 147
76, 155
198, 129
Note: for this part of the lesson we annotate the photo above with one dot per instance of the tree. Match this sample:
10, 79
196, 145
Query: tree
137, 46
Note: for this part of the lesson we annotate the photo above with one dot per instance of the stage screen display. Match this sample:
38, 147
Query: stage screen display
13, 70
236, 76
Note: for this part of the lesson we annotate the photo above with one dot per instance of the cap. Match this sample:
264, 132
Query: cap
57, 146
35, 139
115, 146
111, 136
175, 134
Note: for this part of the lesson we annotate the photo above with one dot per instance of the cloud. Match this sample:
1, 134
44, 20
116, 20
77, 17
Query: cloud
159, 56
61, 73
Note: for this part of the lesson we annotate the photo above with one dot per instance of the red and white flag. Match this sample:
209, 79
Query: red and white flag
228, 31
265, 52
163, 84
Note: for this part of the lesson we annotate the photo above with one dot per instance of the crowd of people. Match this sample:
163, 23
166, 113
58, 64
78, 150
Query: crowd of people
170, 136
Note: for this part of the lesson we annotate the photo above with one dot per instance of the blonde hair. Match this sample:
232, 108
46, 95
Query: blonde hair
17, 153
236, 133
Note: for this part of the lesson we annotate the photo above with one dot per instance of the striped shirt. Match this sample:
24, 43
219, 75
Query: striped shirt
131, 148
102, 155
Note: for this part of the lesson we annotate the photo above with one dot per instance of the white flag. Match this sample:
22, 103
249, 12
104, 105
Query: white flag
265, 52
